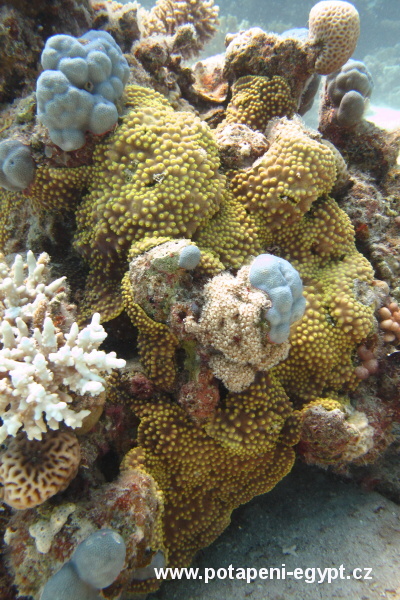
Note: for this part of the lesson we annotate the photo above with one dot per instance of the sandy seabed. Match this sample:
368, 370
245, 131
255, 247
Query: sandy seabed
311, 519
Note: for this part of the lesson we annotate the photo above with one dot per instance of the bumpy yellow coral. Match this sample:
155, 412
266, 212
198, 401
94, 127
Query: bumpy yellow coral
143, 246
156, 344
231, 233
251, 422
58, 189
288, 178
340, 302
202, 481
157, 175
326, 403
209, 264
256, 100
10, 215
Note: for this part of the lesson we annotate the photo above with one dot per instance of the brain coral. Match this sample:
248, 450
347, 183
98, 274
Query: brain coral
33, 471
335, 26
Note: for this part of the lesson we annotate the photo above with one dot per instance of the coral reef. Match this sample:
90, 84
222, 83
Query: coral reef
256, 100
255, 52
79, 87
131, 506
207, 478
230, 253
119, 20
162, 172
24, 26
364, 146
334, 436
233, 323
94, 565
282, 185
169, 18
281, 282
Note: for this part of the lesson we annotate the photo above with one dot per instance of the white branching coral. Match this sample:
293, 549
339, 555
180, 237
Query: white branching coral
45, 371
21, 294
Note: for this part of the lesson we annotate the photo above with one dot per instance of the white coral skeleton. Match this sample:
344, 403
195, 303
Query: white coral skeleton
42, 369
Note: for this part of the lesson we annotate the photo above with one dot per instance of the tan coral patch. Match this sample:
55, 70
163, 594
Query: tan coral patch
336, 25
31, 471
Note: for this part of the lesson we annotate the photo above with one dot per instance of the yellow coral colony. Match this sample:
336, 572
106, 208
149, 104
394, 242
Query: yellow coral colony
156, 176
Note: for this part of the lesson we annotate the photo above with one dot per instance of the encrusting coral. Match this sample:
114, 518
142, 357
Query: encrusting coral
288, 178
340, 301
256, 100
201, 479
233, 324
156, 344
156, 176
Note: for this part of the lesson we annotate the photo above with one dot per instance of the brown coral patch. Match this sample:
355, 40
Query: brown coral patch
31, 471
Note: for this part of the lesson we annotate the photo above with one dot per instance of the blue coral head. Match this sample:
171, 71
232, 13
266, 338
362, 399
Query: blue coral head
282, 283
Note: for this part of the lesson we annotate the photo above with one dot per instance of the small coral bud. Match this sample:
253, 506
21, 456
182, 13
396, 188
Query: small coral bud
364, 353
361, 372
385, 313
389, 337
371, 365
